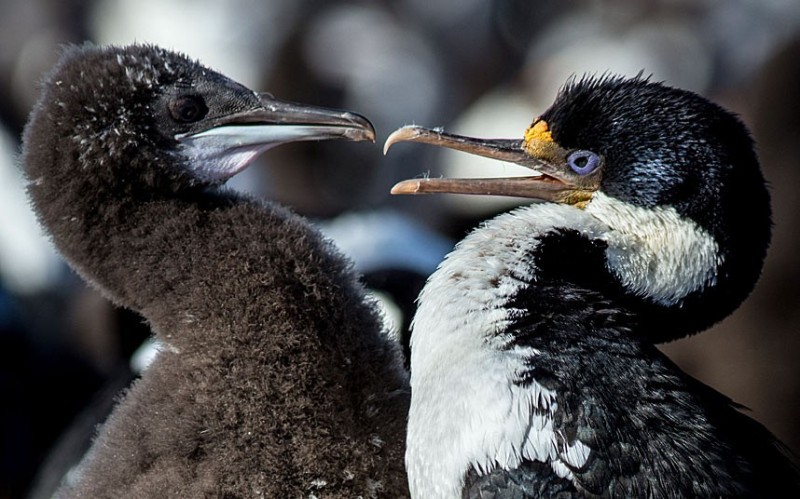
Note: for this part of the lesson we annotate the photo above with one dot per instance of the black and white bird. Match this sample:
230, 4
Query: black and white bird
533, 366
274, 378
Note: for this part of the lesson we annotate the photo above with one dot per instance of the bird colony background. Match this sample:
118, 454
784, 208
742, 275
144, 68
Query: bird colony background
478, 67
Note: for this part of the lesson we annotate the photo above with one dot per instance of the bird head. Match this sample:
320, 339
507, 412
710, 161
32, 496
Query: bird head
144, 118
673, 177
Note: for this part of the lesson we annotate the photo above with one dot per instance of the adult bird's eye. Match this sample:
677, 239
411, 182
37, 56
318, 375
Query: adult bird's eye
187, 108
583, 162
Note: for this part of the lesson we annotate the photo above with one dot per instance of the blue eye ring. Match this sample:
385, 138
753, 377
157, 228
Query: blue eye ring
583, 162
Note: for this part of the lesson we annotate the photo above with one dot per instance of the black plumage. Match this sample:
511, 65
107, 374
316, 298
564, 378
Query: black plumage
669, 147
533, 366
274, 378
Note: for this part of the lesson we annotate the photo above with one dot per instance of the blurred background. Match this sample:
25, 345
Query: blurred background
478, 67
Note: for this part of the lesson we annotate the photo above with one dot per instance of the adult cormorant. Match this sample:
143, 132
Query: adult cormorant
533, 366
274, 379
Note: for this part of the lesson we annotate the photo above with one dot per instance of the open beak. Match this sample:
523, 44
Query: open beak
551, 179
228, 144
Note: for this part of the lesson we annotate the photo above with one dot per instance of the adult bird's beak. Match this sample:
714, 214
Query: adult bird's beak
227, 144
552, 179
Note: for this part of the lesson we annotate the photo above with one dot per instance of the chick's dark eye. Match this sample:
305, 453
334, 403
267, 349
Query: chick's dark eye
187, 108
583, 162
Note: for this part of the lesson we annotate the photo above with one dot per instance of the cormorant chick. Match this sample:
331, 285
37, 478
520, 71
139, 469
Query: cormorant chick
533, 366
275, 379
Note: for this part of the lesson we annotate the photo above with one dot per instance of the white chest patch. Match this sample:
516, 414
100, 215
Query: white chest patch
655, 252
465, 411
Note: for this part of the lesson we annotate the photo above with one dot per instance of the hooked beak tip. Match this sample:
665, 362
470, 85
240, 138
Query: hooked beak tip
362, 128
404, 134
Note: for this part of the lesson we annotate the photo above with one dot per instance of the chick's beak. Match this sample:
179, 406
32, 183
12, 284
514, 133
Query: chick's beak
229, 143
550, 181
279, 121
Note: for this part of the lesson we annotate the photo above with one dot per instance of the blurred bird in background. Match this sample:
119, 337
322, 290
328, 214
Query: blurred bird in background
475, 67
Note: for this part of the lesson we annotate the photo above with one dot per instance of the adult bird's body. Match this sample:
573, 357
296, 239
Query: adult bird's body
533, 366
274, 378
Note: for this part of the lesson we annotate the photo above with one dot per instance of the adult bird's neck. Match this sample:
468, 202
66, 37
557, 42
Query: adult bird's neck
509, 325
472, 293
464, 356
658, 269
